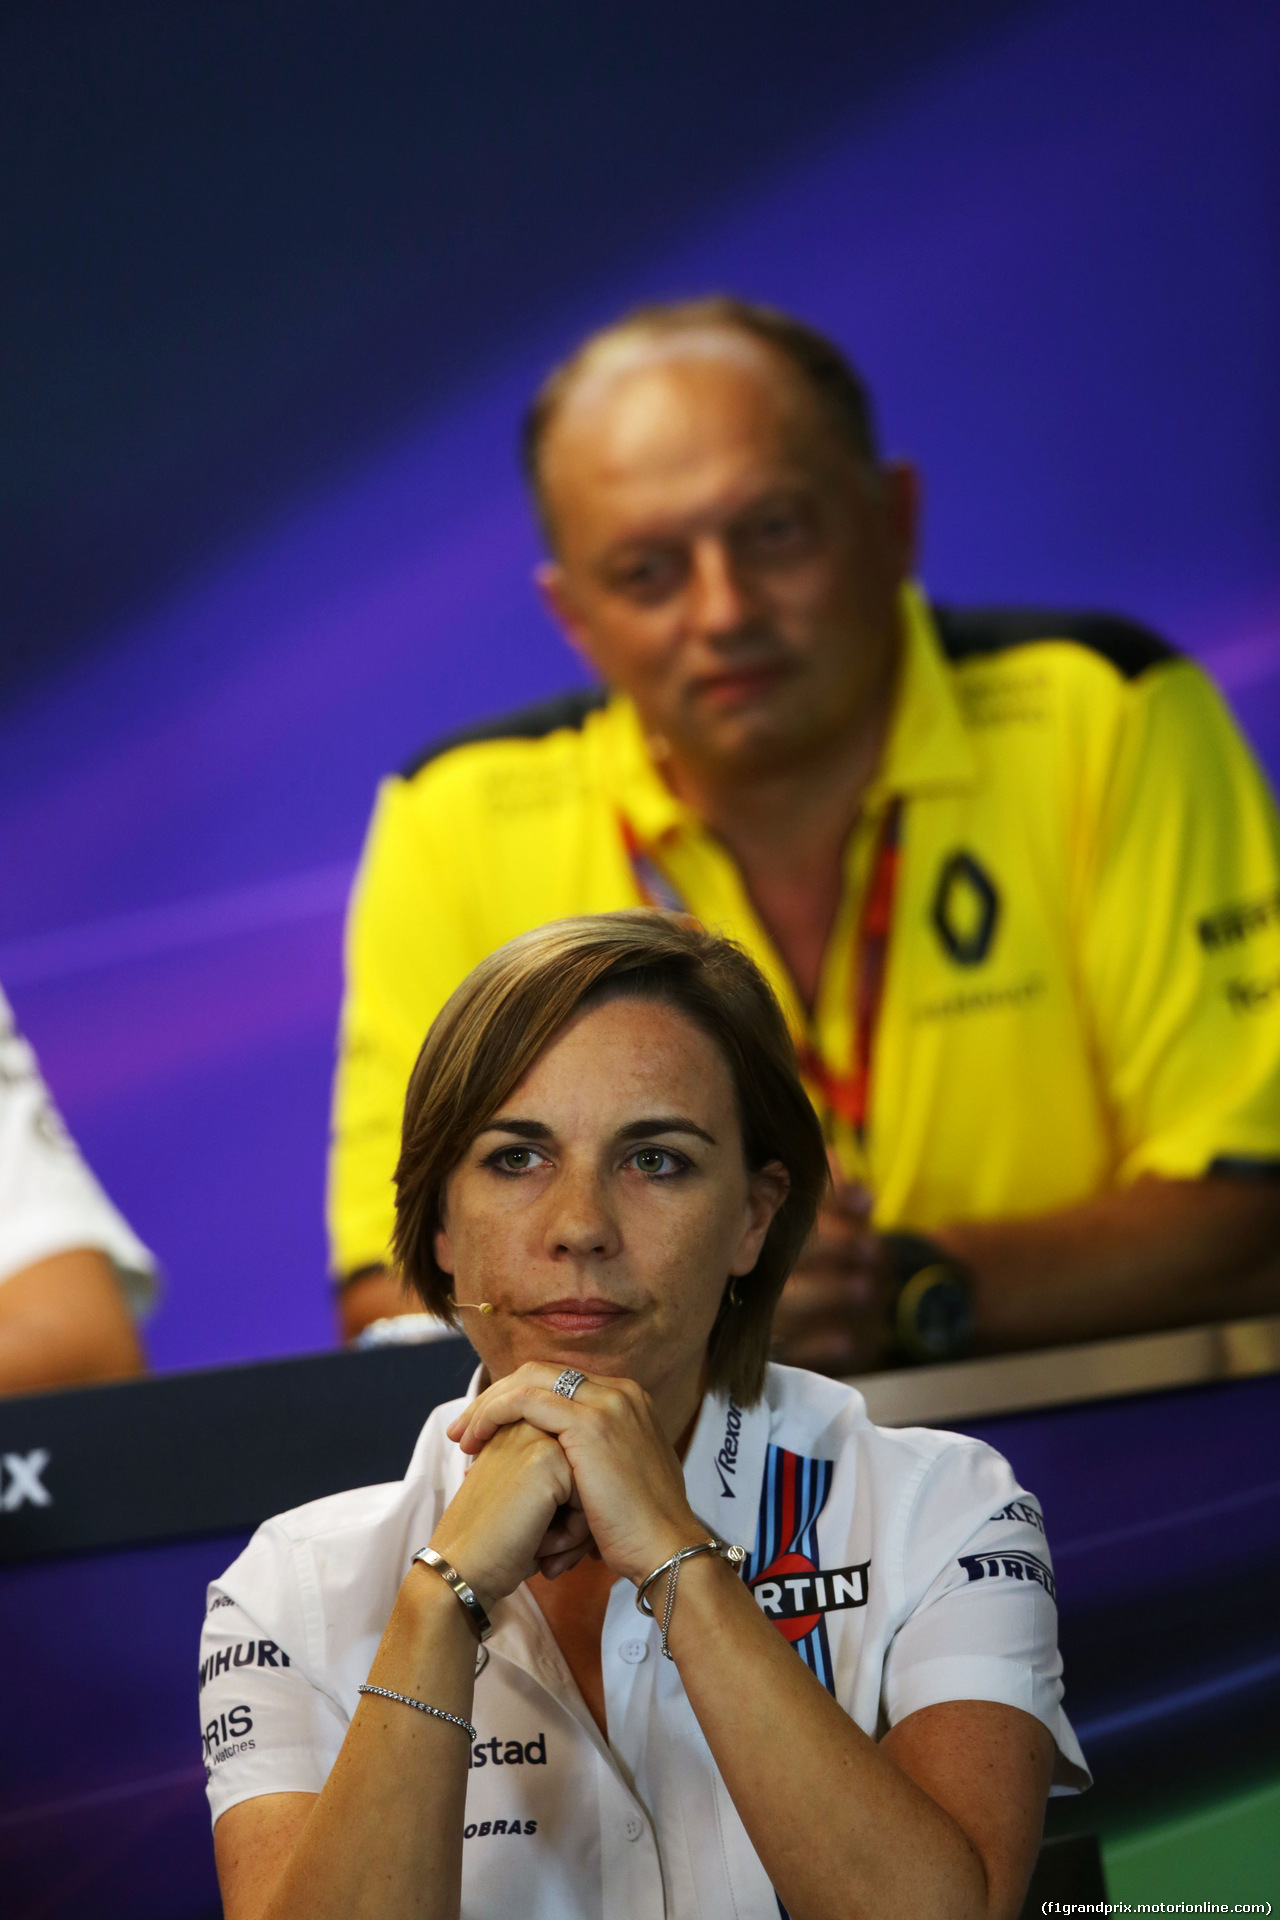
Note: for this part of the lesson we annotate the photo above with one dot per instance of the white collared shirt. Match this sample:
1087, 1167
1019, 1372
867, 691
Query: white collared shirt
906, 1567
49, 1199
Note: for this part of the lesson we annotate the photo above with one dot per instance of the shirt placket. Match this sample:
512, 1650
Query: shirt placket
712, 1869
631, 1869
633, 1866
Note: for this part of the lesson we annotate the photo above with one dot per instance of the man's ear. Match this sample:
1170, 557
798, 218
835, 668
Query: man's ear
903, 496
557, 597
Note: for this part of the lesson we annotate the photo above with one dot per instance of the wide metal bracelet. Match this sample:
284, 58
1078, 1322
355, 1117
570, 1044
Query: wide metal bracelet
452, 1578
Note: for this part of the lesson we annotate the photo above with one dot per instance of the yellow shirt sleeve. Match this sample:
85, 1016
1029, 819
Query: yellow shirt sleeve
1181, 934
407, 947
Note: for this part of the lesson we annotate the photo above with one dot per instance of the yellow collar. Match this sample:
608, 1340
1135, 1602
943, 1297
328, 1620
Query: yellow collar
633, 781
928, 749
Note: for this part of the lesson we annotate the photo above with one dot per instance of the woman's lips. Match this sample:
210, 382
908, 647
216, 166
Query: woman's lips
578, 1316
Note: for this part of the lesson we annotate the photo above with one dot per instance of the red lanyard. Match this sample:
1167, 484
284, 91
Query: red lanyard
847, 1095
655, 889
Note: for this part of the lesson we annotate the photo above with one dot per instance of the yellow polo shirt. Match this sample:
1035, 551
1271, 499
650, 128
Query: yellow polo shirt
1083, 972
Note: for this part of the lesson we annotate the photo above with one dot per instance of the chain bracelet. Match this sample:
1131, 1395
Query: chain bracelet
734, 1555
437, 1713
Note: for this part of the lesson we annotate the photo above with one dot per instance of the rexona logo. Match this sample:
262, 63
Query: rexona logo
727, 1458
793, 1593
245, 1653
20, 1481
1009, 1566
966, 907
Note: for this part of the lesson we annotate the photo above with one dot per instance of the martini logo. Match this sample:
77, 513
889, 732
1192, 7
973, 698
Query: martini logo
966, 907
794, 1594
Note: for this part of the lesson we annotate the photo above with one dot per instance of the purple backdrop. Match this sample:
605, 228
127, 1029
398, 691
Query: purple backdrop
1055, 260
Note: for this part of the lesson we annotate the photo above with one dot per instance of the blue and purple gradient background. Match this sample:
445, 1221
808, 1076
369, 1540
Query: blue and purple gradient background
1054, 255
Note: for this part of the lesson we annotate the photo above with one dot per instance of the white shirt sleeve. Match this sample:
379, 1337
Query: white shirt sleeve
49, 1200
264, 1727
983, 1617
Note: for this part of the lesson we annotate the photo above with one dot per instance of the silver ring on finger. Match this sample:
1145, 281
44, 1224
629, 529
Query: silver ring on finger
568, 1383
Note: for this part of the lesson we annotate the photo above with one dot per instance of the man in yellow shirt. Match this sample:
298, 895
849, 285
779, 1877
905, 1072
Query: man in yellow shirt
1014, 877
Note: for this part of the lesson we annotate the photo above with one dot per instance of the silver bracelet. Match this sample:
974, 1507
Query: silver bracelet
734, 1555
437, 1713
452, 1578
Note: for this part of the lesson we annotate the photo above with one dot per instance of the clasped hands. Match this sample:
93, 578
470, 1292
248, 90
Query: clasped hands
553, 1480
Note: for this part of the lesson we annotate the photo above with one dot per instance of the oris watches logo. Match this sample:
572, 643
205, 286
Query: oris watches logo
20, 1481
225, 1736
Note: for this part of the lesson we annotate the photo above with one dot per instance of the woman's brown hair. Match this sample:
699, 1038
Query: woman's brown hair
514, 1004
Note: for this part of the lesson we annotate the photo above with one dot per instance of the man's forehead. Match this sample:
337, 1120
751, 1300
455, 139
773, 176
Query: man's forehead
649, 413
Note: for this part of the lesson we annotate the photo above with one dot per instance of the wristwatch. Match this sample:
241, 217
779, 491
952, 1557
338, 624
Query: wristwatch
933, 1307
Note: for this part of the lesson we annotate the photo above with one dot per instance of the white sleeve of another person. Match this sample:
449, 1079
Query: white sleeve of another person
49, 1200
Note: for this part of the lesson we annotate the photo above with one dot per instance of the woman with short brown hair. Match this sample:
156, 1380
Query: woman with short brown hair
608, 1166
516, 1002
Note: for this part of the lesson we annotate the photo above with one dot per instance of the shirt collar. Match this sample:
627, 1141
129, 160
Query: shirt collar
437, 1456
633, 782
928, 749
724, 1467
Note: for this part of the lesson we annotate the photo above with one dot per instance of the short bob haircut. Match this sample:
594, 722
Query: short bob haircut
516, 1002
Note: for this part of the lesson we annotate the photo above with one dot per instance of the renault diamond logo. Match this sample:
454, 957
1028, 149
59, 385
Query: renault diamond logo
966, 908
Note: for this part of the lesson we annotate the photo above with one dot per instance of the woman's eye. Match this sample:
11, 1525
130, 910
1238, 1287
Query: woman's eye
515, 1159
658, 1161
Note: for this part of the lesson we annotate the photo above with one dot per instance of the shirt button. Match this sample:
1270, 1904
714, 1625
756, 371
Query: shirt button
633, 1826
634, 1651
